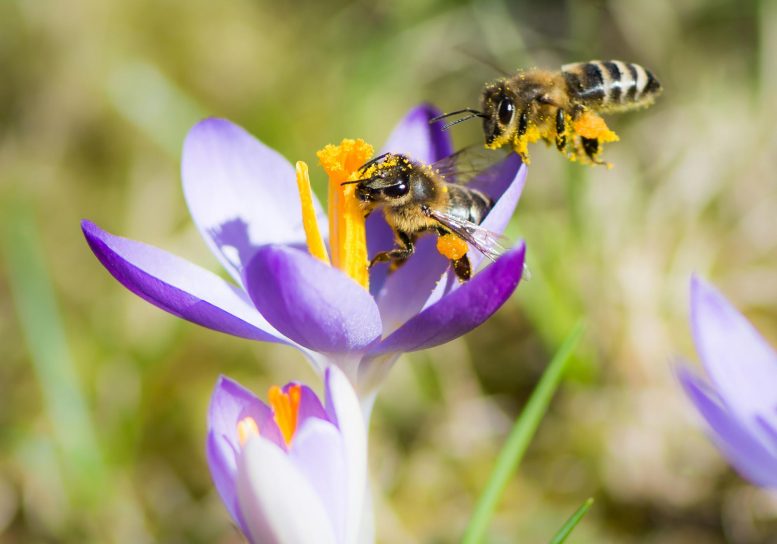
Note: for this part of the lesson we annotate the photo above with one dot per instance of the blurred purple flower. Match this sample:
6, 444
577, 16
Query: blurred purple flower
294, 471
242, 195
740, 402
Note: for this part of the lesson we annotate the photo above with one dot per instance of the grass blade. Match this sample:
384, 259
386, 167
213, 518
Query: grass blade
572, 522
519, 438
55, 370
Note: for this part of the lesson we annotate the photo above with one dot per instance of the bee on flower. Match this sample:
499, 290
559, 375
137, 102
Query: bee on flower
300, 277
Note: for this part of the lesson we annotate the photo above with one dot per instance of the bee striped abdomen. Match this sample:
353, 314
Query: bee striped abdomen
468, 204
611, 85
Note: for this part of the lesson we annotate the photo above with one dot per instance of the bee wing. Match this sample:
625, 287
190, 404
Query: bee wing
464, 165
489, 243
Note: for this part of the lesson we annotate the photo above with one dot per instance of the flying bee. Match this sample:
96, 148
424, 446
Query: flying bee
561, 107
416, 199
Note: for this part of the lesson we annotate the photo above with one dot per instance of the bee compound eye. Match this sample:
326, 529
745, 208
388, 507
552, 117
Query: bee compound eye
506, 110
396, 191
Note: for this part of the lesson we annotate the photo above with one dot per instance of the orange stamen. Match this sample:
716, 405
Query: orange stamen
452, 247
285, 407
246, 429
347, 235
313, 236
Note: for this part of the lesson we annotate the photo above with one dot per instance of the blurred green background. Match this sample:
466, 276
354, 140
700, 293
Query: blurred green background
103, 397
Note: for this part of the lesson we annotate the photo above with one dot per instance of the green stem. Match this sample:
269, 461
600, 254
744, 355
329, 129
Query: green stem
571, 523
519, 438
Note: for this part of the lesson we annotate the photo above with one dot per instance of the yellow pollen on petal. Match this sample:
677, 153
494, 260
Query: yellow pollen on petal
347, 235
451, 246
590, 125
313, 236
285, 407
246, 429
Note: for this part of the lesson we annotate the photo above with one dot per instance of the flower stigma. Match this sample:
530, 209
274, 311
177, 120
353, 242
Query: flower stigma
285, 408
347, 234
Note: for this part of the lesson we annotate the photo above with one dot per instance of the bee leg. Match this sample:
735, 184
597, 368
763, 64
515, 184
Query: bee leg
591, 148
397, 256
523, 123
561, 130
462, 268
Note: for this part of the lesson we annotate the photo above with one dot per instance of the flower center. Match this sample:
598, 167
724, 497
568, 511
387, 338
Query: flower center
285, 411
347, 235
285, 408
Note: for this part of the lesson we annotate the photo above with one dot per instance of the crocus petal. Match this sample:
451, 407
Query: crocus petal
309, 405
178, 286
743, 449
461, 310
317, 452
424, 142
311, 302
408, 288
241, 193
504, 182
276, 501
230, 402
741, 365
343, 408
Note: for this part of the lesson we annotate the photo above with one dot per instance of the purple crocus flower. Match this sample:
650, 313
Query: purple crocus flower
243, 198
740, 400
293, 471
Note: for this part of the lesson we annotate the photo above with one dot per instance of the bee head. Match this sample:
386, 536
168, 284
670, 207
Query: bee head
386, 181
500, 107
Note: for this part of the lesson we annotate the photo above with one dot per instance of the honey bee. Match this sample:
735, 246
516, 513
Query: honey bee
561, 107
416, 199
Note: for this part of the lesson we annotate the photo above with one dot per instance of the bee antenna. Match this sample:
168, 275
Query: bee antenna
474, 112
457, 121
372, 161
355, 181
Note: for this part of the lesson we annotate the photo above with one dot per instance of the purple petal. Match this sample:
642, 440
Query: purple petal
231, 402
380, 237
317, 452
407, 289
277, 501
415, 137
178, 286
309, 405
311, 302
742, 448
241, 193
504, 183
418, 139
461, 310
741, 365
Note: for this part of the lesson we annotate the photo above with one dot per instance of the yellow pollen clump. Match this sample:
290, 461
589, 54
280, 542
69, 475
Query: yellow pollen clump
313, 236
347, 235
521, 144
246, 429
590, 125
451, 246
285, 407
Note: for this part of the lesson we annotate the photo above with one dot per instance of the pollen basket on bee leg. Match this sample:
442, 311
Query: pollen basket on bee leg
452, 247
